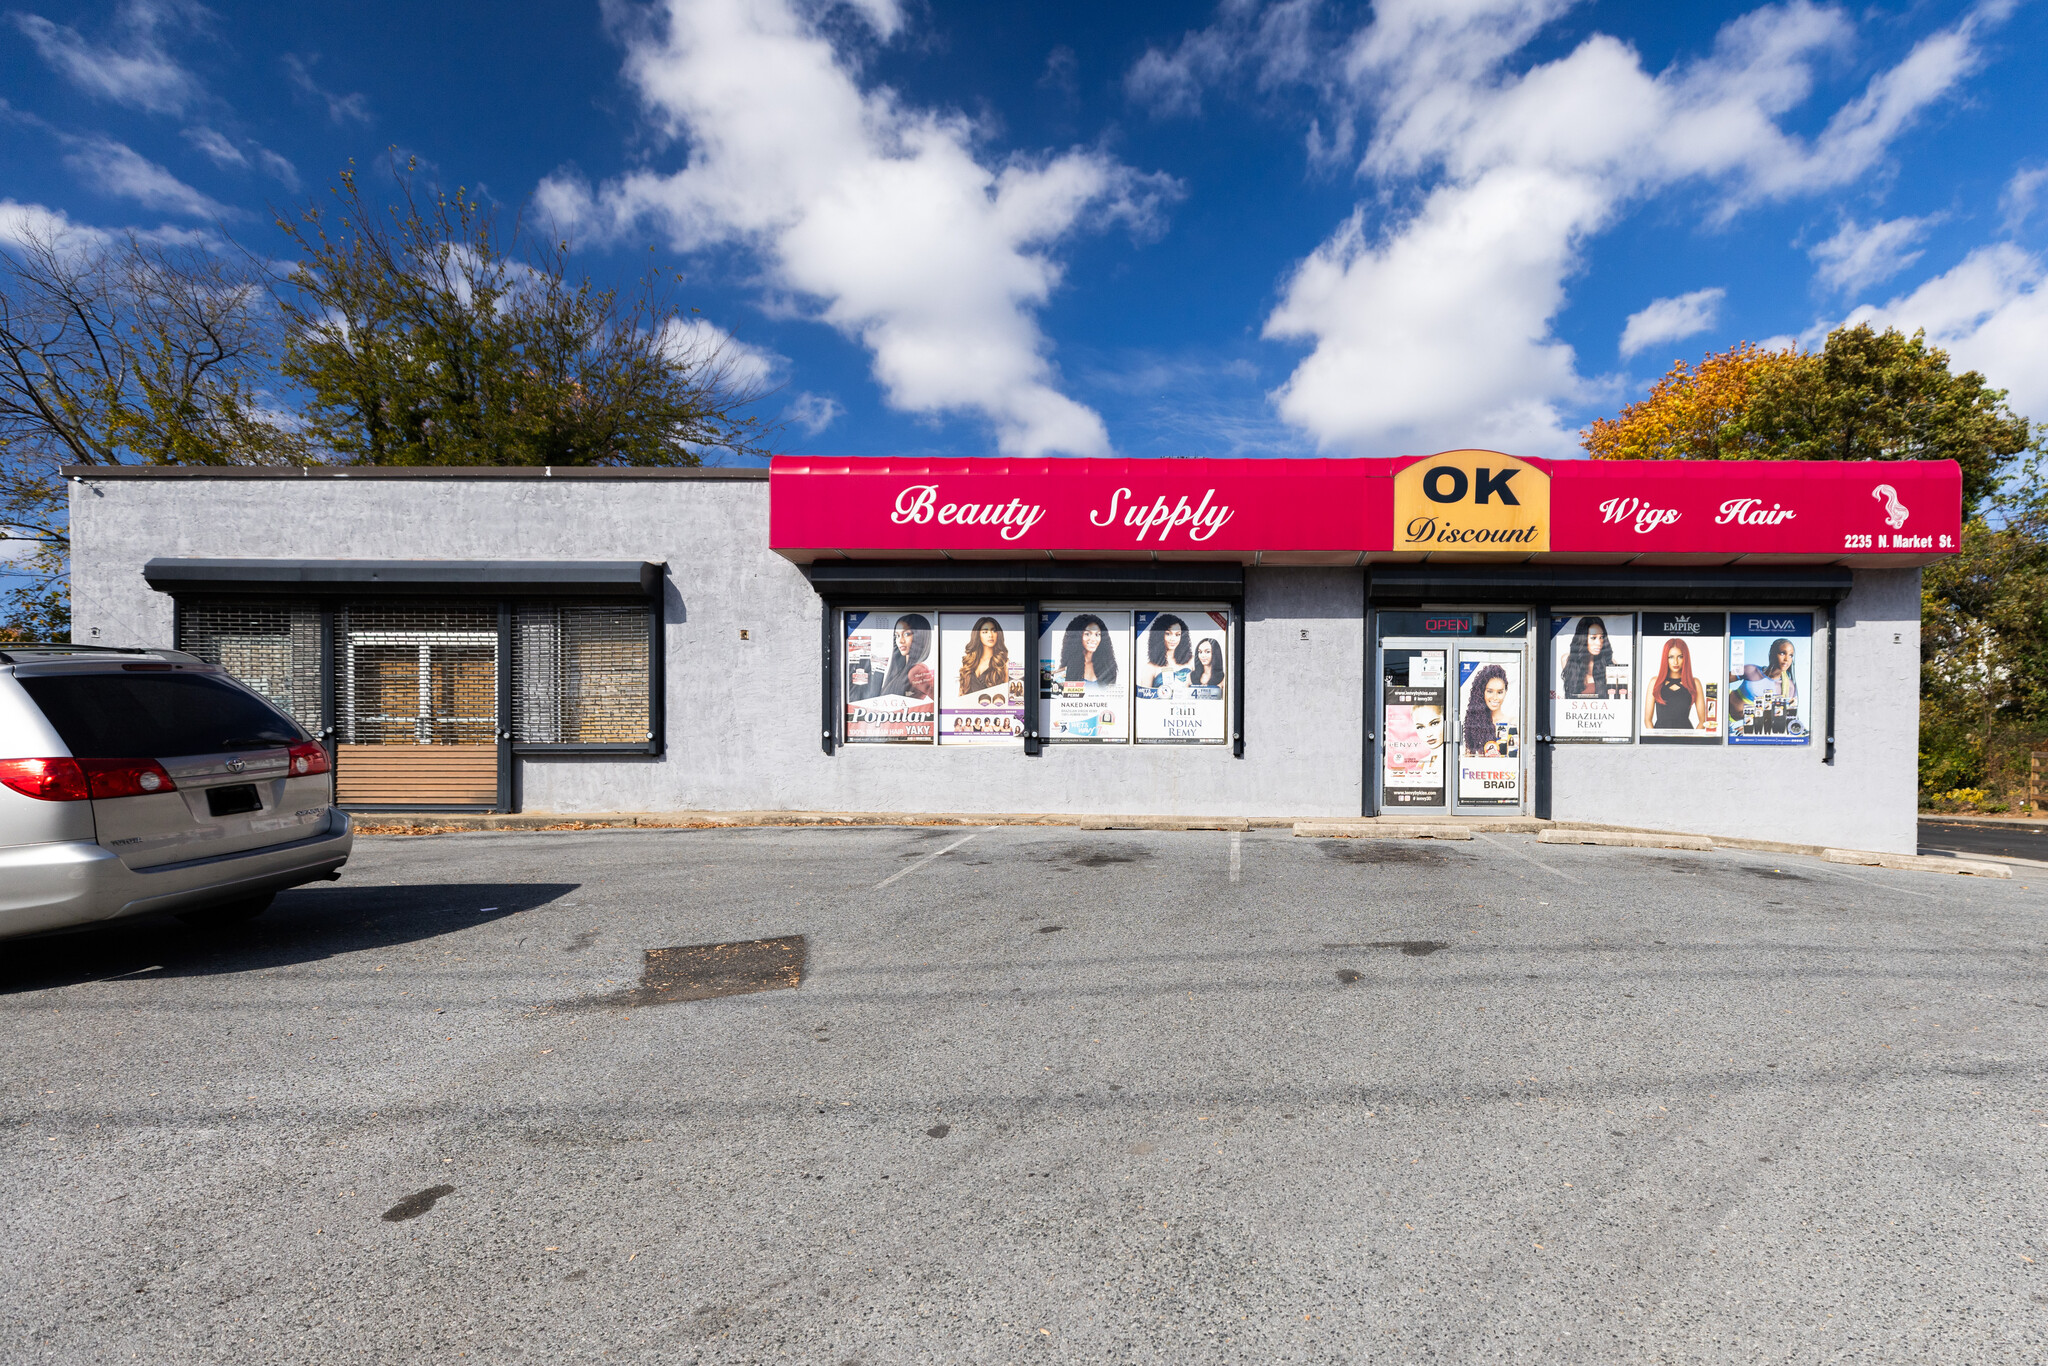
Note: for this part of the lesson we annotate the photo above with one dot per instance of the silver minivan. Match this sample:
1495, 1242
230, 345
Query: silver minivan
134, 781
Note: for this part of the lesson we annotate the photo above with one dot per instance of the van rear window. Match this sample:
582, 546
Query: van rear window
155, 716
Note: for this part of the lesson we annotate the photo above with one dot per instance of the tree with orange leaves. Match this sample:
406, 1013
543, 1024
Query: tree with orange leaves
1695, 412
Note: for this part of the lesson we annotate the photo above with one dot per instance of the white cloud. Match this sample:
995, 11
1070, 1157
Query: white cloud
1436, 329
21, 224
2022, 194
1990, 313
216, 147
350, 108
700, 341
814, 412
1277, 40
876, 214
1669, 320
117, 169
135, 71
1857, 257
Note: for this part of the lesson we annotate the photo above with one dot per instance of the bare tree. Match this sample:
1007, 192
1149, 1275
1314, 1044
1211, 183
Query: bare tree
121, 351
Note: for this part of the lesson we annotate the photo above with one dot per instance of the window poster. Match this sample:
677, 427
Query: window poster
1589, 693
1182, 674
1489, 728
1084, 675
1413, 729
981, 678
1679, 698
1770, 668
889, 679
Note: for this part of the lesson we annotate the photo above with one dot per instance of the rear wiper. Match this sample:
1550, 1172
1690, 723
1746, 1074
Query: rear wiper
258, 742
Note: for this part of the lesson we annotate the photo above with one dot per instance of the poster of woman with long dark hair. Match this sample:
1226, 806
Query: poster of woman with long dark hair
889, 681
1084, 676
1490, 728
1182, 676
1592, 657
981, 678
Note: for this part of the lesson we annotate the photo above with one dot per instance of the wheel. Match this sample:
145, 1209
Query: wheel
227, 913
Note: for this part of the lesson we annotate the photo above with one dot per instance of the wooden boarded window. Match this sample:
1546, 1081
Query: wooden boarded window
581, 674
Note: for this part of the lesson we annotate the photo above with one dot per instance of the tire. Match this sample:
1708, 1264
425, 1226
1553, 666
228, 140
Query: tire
227, 913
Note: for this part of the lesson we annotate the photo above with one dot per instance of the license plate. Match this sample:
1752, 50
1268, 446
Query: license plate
233, 801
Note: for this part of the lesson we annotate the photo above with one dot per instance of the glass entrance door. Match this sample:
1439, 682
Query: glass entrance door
1415, 725
1491, 709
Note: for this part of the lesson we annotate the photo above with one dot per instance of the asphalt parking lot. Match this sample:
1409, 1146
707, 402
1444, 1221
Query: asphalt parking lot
1041, 1095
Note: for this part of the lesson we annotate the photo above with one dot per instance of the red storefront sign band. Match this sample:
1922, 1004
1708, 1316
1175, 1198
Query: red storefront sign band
1340, 511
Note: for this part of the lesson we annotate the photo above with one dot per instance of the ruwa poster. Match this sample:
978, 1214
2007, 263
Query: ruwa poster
1679, 696
1182, 676
889, 679
981, 678
1770, 672
1489, 728
1084, 676
1589, 690
1415, 724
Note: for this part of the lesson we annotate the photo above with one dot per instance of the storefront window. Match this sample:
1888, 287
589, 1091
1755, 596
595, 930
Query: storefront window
1113, 673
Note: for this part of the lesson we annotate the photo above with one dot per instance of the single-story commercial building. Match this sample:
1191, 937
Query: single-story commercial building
1729, 649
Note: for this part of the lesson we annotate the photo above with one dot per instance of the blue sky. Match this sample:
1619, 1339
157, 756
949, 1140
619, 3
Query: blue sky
1254, 229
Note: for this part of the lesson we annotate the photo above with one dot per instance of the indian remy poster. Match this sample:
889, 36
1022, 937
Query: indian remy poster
889, 677
1770, 668
1181, 674
1489, 728
981, 678
1680, 668
1084, 674
1412, 769
1589, 693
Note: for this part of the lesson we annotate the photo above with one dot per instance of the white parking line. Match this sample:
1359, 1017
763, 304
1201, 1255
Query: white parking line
906, 872
1236, 857
1520, 855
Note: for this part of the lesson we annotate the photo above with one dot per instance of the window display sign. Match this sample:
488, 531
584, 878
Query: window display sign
1680, 668
1182, 677
1589, 692
1770, 666
1489, 728
981, 678
889, 692
1412, 772
1084, 674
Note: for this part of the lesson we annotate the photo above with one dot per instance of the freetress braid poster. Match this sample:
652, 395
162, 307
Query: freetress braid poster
981, 678
1679, 695
1770, 667
889, 681
1592, 657
1084, 676
1489, 728
1183, 669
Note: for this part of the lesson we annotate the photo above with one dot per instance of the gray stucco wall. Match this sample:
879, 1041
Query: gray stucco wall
743, 716
1867, 799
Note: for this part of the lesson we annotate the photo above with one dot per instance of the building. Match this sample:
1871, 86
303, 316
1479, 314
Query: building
1728, 649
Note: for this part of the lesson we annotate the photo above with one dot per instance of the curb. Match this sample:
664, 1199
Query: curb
1367, 830
1916, 863
1624, 839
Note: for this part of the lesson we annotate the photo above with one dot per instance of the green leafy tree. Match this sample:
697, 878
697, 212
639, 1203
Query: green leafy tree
423, 335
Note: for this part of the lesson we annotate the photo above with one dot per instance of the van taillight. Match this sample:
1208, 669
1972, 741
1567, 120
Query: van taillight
308, 759
126, 777
47, 780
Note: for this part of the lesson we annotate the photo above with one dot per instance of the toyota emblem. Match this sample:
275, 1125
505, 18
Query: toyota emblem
236, 765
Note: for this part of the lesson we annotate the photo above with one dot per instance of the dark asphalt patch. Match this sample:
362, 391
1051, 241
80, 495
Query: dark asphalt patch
416, 1204
1381, 851
1414, 948
938, 1131
704, 972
